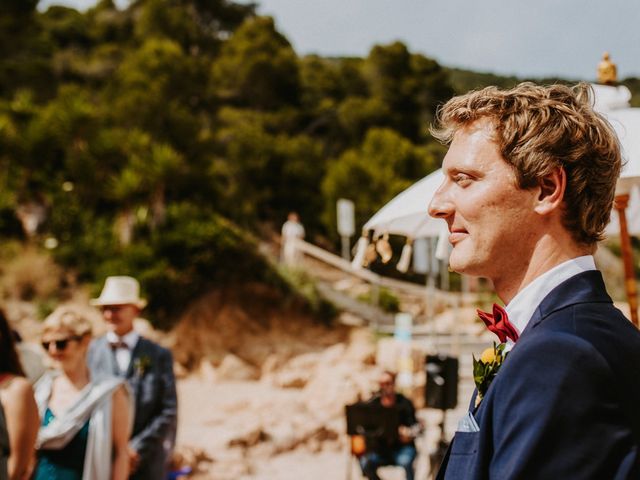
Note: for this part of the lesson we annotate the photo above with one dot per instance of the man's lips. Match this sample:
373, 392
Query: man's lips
456, 235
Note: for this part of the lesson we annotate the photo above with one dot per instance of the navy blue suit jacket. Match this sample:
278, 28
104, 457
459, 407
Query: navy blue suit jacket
566, 402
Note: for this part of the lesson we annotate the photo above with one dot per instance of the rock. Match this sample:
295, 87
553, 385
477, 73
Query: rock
291, 379
207, 371
331, 389
285, 437
362, 347
249, 438
192, 457
232, 469
332, 355
234, 368
387, 354
179, 371
272, 363
297, 371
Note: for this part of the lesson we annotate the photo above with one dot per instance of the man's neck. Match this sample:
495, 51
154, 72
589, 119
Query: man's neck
547, 254
121, 334
388, 399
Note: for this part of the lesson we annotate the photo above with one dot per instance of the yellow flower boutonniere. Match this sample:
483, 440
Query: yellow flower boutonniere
486, 368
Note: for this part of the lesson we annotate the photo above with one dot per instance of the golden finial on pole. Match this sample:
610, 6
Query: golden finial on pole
607, 71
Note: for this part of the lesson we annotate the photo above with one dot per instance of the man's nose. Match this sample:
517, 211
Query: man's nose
440, 205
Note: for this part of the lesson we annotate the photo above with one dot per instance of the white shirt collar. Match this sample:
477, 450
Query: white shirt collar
130, 338
521, 308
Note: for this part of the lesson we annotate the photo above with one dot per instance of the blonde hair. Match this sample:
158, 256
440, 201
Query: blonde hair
540, 128
68, 318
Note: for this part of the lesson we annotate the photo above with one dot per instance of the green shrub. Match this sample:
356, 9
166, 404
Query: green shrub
303, 287
387, 301
193, 252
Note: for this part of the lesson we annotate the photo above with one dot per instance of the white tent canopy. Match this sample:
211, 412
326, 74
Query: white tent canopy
407, 215
607, 97
613, 103
626, 123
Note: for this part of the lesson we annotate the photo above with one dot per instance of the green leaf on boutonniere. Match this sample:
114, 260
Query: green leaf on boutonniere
141, 365
486, 368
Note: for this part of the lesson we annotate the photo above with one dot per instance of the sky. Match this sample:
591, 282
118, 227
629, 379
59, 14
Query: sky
537, 38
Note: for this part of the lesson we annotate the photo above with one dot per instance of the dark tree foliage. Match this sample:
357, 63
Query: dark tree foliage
24, 53
633, 84
156, 137
257, 68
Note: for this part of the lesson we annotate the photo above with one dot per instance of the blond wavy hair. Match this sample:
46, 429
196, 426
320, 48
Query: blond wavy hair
70, 319
540, 128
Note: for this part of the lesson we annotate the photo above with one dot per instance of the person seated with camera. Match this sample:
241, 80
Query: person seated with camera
400, 451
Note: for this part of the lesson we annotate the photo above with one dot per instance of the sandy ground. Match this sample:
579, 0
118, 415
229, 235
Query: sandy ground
213, 414
207, 411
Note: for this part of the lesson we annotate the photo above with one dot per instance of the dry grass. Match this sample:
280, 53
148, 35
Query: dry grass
30, 275
250, 323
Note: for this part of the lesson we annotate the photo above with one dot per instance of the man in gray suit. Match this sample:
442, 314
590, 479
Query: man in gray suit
148, 368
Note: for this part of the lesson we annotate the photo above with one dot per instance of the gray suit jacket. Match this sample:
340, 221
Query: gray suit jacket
150, 376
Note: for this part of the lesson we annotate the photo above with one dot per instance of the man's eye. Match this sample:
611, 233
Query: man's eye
461, 178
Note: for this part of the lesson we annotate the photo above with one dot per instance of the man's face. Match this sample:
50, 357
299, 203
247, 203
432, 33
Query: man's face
387, 386
491, 221
120, 317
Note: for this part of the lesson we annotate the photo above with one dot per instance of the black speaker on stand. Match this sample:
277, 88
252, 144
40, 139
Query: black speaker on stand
441, 392
441, 387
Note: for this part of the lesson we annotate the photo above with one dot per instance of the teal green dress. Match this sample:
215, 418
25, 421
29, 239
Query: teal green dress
65, 464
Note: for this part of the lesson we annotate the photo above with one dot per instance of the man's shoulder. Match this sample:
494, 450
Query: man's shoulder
98, 342
402, 400
598, 324
581, 340
149, 346
374, 400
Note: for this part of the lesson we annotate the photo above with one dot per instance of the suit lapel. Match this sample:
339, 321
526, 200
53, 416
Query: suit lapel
108, 357
133, 375
136, 353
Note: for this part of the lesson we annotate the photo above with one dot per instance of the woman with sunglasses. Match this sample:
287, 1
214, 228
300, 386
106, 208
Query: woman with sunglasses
85, 421
19, 409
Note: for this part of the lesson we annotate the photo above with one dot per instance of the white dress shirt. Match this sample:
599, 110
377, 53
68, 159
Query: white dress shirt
123, 354
521, 308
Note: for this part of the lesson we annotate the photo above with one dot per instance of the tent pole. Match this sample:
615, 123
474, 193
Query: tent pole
621, 202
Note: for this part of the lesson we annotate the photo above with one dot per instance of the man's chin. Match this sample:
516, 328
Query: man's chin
462, 266
114, 329
457, 265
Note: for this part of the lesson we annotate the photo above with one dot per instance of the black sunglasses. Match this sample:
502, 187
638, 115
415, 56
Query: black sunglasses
60, 344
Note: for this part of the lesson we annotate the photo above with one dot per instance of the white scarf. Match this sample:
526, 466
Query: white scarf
93, 405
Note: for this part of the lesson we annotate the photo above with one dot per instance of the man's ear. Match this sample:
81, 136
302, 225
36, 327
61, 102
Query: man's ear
552, 187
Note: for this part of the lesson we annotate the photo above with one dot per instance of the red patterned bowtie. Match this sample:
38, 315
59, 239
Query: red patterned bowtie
499, 323
118, 344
